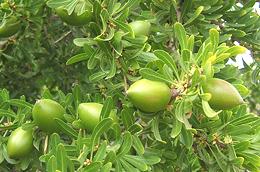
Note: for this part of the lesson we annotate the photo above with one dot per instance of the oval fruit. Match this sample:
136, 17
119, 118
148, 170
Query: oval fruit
223, 94
74, 19
140, 28
45, 111
20, 143
89, 114
149, 96
9, 27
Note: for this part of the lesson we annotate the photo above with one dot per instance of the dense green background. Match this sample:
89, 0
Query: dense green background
42, 61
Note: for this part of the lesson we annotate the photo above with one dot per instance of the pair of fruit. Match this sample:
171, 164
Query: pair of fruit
153, 96
45, 111
9, 26
20, 142
139, 27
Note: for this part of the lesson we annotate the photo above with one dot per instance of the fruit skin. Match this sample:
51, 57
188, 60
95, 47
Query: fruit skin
74, 19
89, 114
20, 143
44, 111
140, 28
9, 27
223, 94
149, 96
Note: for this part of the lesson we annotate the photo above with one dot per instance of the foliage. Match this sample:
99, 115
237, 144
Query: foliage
189, 42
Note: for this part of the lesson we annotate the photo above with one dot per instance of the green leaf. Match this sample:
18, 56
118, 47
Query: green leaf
141, 165
107, 167
135, 128
97, 76
83, 154
195, 15
77, 58
208, 111
222, 57
93, 167
20, 103
137, 144
101, 152
155, 129
180, 114
66, 128
186, 55
54, 140
127, 166
186, 137
124, 27
80, 42
7, 113
219, 160
152, 75
107, 107
127, 144
52, 164
190, 45
242, 90
180, 33
111, 157
150, 159
57, 3
61, 157
127, 116
203, 52
128, 4
102, 127
167, 72
214, 38
112, 71
93, 59
168, 60
235, 50
176, 128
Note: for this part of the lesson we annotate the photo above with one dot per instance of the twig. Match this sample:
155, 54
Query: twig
64, 36
125, 83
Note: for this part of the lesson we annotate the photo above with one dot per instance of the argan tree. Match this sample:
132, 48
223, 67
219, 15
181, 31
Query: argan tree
130, 85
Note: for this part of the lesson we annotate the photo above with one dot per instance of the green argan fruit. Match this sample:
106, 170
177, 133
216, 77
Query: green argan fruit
223, 94
149, 96
44, 113
140, 28
9, 27
20, 143
74, 19
89, 114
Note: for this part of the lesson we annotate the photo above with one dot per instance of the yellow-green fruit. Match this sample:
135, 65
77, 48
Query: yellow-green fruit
149, 96
140, 27
20, 143
89, 114
44, 113
223, 94
74, 19
9, 27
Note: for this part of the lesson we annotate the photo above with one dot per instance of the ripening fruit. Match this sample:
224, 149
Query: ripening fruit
140, 28
89, 114
20, 143
223, 94
74, 19
149, 96
9, 27
44, 113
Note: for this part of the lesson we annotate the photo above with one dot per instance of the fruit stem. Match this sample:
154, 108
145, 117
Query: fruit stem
175, 93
